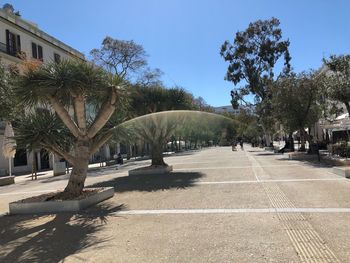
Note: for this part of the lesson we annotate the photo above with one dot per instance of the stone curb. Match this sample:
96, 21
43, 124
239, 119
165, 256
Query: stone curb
48, 207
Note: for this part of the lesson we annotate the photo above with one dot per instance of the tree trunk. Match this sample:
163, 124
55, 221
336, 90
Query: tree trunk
34, 168
157, 155
267, 136
78, 175
347, 105
302, 140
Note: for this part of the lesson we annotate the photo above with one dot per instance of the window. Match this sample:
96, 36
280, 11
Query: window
20, 157
57, 57
37, 51
13, 43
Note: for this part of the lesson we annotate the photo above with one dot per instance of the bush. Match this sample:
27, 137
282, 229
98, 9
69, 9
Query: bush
342, 149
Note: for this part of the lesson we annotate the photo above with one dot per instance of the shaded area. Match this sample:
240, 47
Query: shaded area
255, 151
182, 153
51, 238
151, 183
264, 154
308, 162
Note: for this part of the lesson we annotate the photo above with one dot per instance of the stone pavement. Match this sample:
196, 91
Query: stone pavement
217, 206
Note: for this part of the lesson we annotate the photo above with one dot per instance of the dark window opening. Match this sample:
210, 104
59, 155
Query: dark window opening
57, 57
34, 51
37, 51
44, 160
13, 43
20, 158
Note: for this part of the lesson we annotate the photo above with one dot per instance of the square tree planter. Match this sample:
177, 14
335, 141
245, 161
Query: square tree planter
20, 207
342, 171
6, 180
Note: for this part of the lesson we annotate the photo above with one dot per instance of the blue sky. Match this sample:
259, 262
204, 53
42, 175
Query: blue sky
183, 37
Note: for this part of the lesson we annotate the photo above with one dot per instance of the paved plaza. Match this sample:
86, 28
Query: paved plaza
216, 206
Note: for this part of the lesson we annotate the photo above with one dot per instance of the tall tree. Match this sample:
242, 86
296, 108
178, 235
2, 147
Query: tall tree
336, 79
150, 78
120, 57
68, 88
296, 102
252, 58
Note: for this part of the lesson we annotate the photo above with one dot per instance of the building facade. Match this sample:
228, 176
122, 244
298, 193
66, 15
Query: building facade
21, 39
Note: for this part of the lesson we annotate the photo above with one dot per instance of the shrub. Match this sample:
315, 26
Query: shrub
342, 149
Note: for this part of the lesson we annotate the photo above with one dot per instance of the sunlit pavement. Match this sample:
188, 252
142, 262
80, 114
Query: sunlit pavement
217, 206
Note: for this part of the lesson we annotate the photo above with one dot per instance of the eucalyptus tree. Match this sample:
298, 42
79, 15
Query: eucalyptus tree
69, 89
252, 58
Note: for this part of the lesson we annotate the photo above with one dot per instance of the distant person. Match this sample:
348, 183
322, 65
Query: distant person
120, 159
234, 144
241, 144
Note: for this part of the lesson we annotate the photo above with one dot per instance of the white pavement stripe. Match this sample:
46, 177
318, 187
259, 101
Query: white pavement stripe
232, 167
213, 162
207, 183
270, 181
233, 211
30, 192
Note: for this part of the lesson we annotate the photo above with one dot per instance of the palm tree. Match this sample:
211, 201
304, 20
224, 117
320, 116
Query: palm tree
80, 99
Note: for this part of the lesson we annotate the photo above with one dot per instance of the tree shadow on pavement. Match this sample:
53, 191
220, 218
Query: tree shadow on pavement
151, 183
51, 238
255, 151
312, 163
264, 154
182, 153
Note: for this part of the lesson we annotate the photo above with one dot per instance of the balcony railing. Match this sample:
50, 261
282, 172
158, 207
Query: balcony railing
11, 51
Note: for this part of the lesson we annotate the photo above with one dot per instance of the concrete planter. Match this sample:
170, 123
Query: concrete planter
59, 168
342, 171
302, 156
269, 148
335, 161
48, 207
151, 170
6, 180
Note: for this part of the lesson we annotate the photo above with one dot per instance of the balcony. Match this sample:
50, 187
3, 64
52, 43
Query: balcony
11, 51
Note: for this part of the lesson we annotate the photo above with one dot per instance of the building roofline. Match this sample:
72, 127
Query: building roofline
34, 30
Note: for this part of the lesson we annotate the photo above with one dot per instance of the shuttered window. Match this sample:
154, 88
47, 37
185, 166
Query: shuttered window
13, 43
57, 58
34, 50
40, 53
37, 51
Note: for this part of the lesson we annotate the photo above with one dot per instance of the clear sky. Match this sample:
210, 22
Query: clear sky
183, 37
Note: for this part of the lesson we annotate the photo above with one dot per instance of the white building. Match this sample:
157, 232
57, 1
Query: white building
20, 39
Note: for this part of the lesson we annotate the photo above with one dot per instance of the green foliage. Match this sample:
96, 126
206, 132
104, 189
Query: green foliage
42, 129
144, 100
121, 58
342, 149
62, 80
9, 106
252, 57
248, 126
157, 128
336, 79
295, 100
